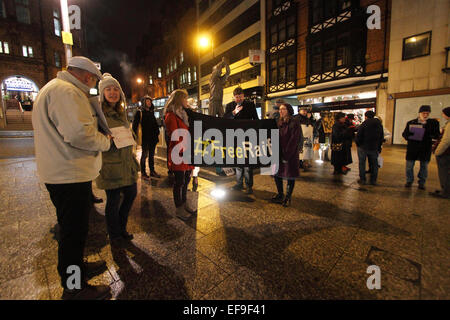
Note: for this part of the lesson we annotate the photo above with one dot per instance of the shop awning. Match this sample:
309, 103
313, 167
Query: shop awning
345, 105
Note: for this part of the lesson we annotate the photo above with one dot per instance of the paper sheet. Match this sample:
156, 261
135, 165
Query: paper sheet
122, 137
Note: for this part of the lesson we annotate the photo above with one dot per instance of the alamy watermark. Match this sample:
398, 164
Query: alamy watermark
249, 147
374, 20
374, 280
74, 280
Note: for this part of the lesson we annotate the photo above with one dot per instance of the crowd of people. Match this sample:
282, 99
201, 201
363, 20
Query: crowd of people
75, 145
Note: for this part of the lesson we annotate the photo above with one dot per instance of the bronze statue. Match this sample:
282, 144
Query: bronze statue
216, 84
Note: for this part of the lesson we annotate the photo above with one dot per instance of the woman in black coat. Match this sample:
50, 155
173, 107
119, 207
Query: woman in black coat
290, 143
340, 147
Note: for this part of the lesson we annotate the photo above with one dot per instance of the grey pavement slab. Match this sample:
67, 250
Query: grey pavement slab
240, 247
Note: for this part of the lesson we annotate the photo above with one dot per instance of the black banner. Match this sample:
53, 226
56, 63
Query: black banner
221, 142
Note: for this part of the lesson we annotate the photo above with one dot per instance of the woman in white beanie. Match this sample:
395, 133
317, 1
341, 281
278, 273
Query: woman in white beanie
120, 168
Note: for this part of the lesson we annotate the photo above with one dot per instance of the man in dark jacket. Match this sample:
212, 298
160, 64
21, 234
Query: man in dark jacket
369, 139
241, 109
150, 134
420, 133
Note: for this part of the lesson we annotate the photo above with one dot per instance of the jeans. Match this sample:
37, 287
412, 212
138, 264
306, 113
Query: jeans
443, 163
372, 155
423, 172
116, 213
182, 179
148, 150
247, 173
73, 204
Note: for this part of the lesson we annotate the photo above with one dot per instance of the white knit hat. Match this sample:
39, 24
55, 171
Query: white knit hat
85, 64
107, 81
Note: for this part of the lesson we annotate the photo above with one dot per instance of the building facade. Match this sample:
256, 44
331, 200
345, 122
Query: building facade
31, 52
235, 27
418, 74
321, 53
169, 62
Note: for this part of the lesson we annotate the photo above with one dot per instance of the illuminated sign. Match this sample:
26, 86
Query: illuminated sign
19, 84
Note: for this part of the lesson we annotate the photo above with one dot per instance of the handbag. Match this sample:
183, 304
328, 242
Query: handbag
380, 161
337, 146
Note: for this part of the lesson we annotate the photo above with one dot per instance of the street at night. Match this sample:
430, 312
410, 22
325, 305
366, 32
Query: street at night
227, 156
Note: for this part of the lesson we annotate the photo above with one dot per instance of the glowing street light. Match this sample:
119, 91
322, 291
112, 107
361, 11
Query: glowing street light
204, 41
139, 80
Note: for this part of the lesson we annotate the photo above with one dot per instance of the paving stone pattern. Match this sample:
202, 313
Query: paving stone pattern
242, 247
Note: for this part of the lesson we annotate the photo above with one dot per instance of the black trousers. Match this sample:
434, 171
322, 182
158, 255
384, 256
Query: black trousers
73, 204
116, 213
148, 150
182, 179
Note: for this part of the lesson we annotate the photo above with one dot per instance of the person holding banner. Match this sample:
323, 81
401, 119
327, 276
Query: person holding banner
242, 109
290, 139
120, 167
176, 117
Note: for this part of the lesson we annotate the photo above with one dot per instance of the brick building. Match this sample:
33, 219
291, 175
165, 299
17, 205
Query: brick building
31, 52
320, 53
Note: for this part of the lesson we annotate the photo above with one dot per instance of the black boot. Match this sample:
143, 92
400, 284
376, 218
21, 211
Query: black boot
279, 197
290, 188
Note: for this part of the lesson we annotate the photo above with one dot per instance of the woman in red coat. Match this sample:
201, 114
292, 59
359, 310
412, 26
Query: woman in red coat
175, 117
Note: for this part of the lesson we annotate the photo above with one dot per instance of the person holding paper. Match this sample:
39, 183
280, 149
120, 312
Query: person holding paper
120, 168
68, 145
420, 133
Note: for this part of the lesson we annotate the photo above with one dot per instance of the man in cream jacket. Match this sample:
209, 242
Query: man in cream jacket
68, 149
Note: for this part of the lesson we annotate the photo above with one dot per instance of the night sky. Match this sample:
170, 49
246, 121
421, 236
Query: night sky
115, 28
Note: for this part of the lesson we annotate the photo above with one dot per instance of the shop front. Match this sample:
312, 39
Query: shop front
17, 97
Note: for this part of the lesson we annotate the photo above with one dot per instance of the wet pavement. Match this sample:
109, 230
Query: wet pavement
242, 247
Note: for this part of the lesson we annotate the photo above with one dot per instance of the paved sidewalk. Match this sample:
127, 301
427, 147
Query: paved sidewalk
243, 247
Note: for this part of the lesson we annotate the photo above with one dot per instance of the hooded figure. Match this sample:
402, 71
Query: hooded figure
150, 135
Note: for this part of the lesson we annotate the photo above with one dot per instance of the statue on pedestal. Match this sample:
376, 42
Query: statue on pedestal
216, 84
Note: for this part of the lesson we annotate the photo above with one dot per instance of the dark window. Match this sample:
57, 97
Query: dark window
220, 13
282, 68
277, 3
203, 6
316, 58
316, 10
329, 8
417, 46
23, 11
291, 72
239, 24
274, 71
2, 9
342, 51
282, 30
329, 55
274, 35
291, 27
321, 10
57, 59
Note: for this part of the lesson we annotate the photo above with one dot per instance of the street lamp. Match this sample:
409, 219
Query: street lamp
67, 37
205, 41
139, 80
